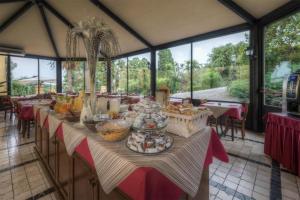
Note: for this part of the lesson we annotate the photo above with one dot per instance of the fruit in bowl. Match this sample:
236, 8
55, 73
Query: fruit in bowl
113, 130
113, 115
61, 108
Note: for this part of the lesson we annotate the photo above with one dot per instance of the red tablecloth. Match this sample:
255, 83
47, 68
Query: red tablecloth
147, 183
25, 111
25, 108
282, 140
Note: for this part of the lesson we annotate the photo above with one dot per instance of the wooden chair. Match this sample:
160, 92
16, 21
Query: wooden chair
242, 122
6, 105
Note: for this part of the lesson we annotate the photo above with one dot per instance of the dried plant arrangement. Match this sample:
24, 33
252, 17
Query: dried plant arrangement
99, 40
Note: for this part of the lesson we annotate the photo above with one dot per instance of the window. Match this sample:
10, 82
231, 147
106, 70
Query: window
221, 68
24, 76
73, 78
101, 77
174, 70
47, 76
3, 73
119, 76
282, 50
139, 74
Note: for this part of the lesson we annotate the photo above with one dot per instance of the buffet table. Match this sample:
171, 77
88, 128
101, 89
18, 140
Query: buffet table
282, 140
83, 164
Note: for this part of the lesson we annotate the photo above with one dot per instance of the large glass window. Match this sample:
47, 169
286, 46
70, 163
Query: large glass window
101, 77
282, 56
174, 70
139, 74
221, 68
3, 73
73, 76
119, 76
47, 76
24, 76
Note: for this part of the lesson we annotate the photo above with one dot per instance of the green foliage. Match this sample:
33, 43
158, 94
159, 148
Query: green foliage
19, 89
119, 76
211, 79
171, 74
239, 88
75, 77
101, 75
282, 43
139, 76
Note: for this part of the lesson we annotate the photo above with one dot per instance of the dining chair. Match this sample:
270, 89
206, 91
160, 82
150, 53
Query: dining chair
6, 105
241, 123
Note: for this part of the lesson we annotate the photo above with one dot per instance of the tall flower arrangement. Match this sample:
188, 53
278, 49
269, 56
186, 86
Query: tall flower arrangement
98, 39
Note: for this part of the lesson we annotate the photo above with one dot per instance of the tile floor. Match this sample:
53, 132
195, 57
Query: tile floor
248, 175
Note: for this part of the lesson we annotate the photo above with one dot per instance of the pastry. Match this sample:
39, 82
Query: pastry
148, 142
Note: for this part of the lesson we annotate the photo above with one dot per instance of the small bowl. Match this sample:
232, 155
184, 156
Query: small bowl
71, 118
114, 130
91, 125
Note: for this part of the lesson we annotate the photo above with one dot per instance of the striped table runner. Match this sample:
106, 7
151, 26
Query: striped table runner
53, 122
183, 163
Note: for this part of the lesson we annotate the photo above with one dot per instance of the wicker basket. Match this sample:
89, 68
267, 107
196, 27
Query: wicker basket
186, 125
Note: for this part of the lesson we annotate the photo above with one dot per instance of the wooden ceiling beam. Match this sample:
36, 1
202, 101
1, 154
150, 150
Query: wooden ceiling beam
12, 1
239, 11
15, 16
48, 29
57, 14
285, 10
61, 18
117, 19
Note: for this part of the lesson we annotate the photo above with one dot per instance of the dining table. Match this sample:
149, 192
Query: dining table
141, 177
25, 113
222, 111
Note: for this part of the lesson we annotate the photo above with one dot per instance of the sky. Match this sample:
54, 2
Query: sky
28, 67
201, 49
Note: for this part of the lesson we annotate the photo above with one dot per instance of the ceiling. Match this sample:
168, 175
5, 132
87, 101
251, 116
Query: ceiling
156, 21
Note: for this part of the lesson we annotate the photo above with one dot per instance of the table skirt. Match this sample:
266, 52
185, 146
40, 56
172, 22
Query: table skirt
282, 140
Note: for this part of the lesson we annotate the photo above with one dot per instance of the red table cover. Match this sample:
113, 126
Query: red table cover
26, 112
282, 140
147, 183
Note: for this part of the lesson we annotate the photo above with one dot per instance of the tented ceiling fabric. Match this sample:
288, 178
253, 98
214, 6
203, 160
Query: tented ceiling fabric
157, 21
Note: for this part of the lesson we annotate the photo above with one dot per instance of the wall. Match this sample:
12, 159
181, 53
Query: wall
2, 74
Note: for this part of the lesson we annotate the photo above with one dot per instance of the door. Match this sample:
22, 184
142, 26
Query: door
52, 155
85, 181
63, 168
281, 57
